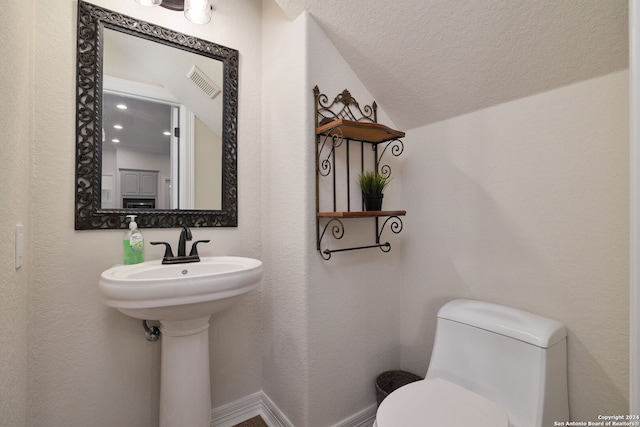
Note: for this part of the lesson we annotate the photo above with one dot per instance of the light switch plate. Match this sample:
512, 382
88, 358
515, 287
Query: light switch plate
19, 245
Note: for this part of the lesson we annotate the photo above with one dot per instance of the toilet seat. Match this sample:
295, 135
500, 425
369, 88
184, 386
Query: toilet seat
437, 402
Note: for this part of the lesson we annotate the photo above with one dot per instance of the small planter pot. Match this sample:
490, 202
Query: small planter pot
372, 202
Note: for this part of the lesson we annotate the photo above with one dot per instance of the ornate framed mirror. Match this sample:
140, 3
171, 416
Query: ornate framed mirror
156, 125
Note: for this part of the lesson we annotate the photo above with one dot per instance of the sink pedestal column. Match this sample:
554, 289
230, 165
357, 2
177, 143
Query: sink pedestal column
185, 388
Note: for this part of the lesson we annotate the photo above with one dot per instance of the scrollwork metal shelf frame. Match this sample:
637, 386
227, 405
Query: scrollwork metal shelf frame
345, 107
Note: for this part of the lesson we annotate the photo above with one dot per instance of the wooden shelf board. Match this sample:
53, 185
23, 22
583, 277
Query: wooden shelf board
360, 131
360, 214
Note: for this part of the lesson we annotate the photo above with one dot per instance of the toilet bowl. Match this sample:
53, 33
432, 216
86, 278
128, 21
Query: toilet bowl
491, 366
437, 403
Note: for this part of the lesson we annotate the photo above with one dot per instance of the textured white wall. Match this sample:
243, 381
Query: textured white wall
90, 365
286, 216
634, 293
330, 326
527, 204
16, 120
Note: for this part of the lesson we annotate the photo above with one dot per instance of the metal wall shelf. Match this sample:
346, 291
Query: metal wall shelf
339, 125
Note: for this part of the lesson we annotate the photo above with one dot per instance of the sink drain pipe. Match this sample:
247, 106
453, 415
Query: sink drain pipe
151, 333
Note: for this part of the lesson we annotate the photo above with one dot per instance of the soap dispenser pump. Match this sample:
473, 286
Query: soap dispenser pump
133, 243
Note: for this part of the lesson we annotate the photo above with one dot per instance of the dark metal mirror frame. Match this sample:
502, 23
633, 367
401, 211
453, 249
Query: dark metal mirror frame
89, 213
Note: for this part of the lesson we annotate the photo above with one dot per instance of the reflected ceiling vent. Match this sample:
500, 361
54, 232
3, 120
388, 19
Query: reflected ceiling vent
201, 80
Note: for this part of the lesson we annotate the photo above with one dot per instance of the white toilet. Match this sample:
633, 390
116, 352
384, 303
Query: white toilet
491, 366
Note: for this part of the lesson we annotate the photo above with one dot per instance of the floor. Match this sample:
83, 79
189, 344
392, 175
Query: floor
253, 422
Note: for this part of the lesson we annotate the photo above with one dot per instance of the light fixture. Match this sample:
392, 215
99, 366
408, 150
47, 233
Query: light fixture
117, 127
121, 106
149, 2
196, 11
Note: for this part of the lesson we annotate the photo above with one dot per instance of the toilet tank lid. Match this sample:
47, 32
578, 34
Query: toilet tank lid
518, 324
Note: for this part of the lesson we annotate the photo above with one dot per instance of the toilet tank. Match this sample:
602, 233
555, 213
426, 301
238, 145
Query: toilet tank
512, 357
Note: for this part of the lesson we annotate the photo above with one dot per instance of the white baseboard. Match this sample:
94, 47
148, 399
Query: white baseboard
236, 412
246, 408
364, 418
272, 415
259, 404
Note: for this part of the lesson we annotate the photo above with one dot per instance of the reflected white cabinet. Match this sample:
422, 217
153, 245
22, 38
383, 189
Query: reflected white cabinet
108, 191
138, 183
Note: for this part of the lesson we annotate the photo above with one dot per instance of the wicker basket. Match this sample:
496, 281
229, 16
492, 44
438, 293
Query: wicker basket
392, 380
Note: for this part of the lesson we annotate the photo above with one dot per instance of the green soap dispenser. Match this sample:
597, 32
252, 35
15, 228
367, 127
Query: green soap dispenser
133, 243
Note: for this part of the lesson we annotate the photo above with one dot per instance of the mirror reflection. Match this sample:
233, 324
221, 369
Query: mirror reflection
161, 126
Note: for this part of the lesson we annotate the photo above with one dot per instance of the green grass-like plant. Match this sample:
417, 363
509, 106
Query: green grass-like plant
372, 182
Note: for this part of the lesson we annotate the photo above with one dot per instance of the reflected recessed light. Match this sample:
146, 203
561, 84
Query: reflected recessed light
121, 106
167, 133
117, 126
115, 141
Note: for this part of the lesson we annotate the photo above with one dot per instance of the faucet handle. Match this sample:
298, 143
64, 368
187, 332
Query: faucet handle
168, 253
194, 247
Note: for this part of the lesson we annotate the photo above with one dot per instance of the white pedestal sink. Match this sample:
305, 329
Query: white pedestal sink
182, 297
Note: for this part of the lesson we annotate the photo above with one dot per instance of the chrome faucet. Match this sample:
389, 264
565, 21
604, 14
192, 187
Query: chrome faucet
182, 257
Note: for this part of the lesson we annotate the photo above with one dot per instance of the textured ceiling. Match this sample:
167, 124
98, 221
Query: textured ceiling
429, 60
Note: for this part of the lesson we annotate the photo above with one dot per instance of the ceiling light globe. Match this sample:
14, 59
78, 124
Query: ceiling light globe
150, 2
197, 11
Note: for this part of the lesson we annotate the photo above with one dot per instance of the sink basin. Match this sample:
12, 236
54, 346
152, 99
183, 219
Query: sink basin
156, 291
182, 297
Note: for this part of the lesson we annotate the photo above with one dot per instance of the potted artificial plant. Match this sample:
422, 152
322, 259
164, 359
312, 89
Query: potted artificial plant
372, 183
